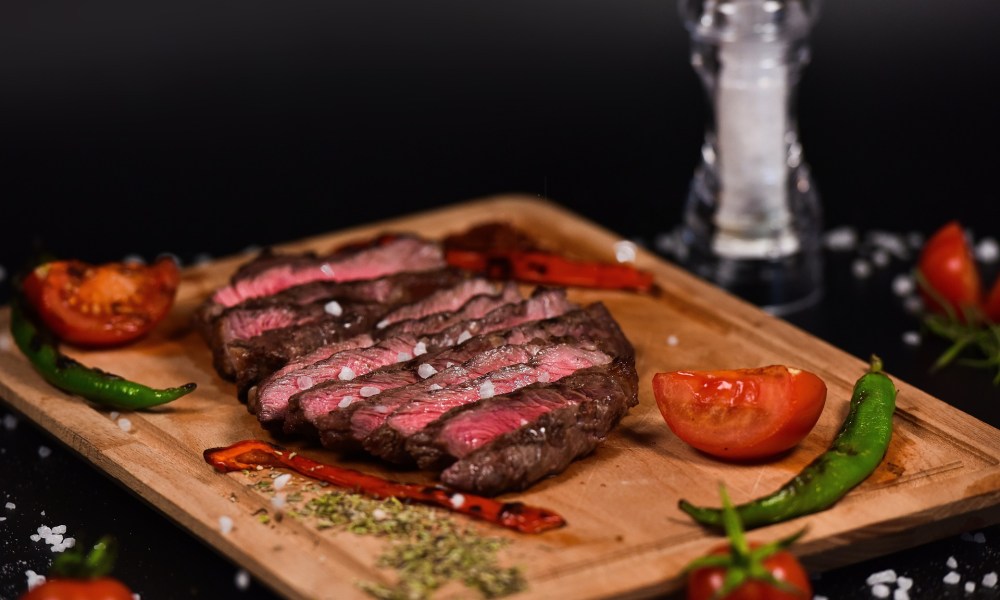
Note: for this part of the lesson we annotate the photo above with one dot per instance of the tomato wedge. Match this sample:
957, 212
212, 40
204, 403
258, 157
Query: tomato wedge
741, 414
947, 264
102, 305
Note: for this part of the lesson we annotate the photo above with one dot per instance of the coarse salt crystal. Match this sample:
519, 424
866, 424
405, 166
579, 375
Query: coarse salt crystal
9, 422
889, 242
34, 579
970, 587
904, 583
382, 324
457, 500
887, 576
915, 239
841, 239
861, 268
2, 519
434, 386
486, 390
544, 377
523, 422
911, 338
419, 348
225, 524
333, 308
303, 382
625, 251
403, 357
282, 480
913, 304
379, 515
327, 269
880, 258
987, 250
900, 594
278, 500
951, 562
903, 285
60, 529
136, 597
345, 401
990, 579
425, 370
462, 337
35, 537
346, 374
113, 415
134, 258
44, 451
369, 390
880, 590
979, 538
672, 340
242, 579
9, 506
952, 578
124, 424
381, 409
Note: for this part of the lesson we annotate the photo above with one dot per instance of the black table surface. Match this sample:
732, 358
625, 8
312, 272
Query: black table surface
130, 128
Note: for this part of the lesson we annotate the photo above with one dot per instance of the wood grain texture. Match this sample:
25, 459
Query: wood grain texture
625, 536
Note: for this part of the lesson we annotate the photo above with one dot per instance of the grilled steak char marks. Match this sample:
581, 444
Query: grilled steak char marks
273, 395
553, 363
544, 303
508, 443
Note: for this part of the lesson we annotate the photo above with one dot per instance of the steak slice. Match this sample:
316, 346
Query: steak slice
274, 273
422, 407
273, 395
507, 443
305, 408
303, 327
310, 301
544, 304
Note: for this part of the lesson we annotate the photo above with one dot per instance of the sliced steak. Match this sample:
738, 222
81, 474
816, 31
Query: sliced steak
544, 304
274, 394
305, 326
445, 300
275, 273
507, 443
424, 406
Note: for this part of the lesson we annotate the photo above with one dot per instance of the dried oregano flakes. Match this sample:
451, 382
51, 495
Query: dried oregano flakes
427, 547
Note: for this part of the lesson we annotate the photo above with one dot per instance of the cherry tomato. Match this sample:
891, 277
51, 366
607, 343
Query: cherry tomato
102, 588
992, 306
102, 305
741, 414
947, 264
702, 583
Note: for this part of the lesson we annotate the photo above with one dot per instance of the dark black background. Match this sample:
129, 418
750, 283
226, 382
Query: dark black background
141, 128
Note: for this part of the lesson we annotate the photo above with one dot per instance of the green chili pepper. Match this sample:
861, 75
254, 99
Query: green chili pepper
857, 450
42, 349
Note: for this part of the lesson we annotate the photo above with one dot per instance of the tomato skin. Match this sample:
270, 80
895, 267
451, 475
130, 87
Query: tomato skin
102, 305
947, 264
702, 583
102, 588
741, 414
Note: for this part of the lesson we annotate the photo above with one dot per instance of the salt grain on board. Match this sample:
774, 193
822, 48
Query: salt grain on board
861, 268
625, 251
987, 250
225, 524
282, 480
125, 425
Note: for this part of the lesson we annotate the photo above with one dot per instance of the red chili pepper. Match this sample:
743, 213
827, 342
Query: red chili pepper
552, 269
248, 454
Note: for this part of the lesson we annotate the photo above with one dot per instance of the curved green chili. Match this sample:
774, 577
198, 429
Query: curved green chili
69, 375
857, 450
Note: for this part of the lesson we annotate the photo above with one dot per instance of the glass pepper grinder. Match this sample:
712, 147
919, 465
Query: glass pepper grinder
752, 219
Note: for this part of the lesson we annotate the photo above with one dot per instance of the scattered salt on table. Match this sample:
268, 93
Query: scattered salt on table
990, 579
970, 587
880, 590
9, 506
125, 425
904, 583
952, 578
951, 562
242, 579
333, 308
841, 239
9, 422
987, 250
861, 268
625, 251
44, 451
887, 576
911, 338
282, 480
34, 579
903, 285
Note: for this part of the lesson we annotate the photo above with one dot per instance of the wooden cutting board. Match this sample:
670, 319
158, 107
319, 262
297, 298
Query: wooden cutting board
625, 535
